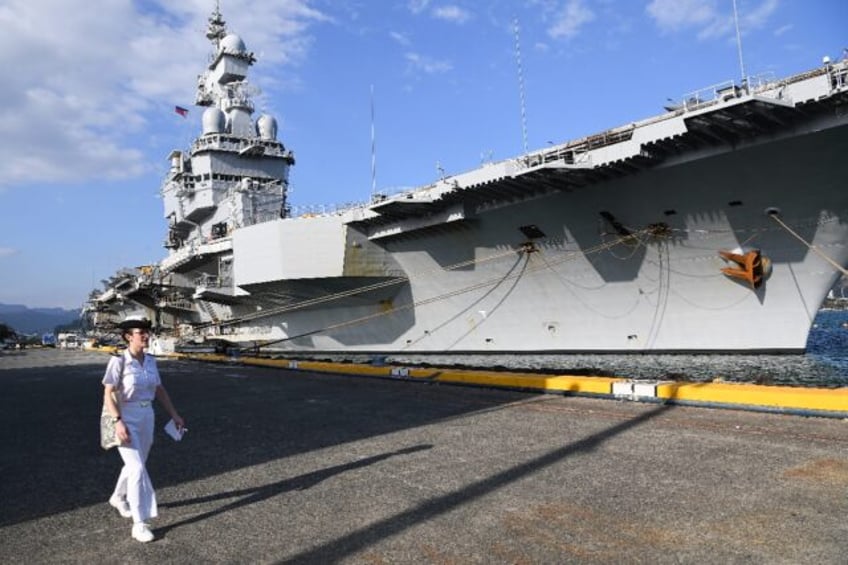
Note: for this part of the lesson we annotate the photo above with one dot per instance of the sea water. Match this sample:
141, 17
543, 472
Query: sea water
825, 364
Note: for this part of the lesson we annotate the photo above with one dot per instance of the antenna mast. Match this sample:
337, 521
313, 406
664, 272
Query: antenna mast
520, 85
373, 150
739, 46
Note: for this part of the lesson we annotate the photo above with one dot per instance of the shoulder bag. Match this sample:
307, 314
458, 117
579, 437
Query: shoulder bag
108, 435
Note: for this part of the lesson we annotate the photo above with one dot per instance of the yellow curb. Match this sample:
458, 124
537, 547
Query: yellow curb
783, 398
787, 397
534, 381
559, 383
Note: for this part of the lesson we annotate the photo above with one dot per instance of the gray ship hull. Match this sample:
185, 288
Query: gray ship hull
586, 288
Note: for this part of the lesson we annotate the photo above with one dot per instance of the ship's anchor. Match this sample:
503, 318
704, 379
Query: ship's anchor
751, 267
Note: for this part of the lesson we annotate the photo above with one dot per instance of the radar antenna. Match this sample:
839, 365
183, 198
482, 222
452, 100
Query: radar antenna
217, 28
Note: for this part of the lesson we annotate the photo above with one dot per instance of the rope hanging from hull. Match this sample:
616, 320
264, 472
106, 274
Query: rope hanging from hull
483, 284
775, 215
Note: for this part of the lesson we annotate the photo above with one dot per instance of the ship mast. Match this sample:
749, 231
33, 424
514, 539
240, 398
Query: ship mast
217, 27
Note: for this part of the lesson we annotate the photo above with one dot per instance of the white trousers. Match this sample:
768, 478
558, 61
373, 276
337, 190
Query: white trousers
134, 483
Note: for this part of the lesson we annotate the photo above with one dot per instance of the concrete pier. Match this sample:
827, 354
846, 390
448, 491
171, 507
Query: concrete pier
294, 466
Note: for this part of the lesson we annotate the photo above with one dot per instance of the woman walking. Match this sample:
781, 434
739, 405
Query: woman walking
130, 384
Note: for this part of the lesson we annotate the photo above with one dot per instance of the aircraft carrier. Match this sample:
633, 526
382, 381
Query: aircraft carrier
718, 225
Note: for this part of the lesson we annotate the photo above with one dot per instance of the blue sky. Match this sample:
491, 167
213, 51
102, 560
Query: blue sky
87, 119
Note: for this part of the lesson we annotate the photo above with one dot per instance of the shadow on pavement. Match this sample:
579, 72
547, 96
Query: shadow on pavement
372, 534
258, 494
51, 461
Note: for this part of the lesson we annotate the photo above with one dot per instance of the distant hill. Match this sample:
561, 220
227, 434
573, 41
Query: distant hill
25, 320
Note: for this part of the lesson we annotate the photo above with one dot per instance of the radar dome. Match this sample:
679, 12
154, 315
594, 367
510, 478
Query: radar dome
213, 120
233, 44
266, 127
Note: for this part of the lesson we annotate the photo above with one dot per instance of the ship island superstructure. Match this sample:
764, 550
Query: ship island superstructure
717, 225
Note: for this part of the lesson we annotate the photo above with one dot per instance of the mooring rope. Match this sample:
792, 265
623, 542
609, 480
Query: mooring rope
343, 294
810, 246
375, 315
477, 286
527, 249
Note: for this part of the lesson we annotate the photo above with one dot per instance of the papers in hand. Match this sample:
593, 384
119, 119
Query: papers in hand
172, 430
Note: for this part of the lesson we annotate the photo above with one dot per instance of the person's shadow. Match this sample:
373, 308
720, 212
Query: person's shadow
256, 494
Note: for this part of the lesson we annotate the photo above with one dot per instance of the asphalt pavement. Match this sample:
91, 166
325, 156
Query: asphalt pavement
284, 466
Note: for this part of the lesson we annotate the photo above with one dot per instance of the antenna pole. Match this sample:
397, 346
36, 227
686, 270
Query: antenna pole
520, 86
373, 150
739, 46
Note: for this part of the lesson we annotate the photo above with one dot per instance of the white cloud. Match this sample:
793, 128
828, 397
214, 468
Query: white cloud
418, 6
569, 19
85, 79
676, 15
427, 65
400, 38
718, 27
7, 251
452, 13
782, 29
759, 16
447, 12
704, 16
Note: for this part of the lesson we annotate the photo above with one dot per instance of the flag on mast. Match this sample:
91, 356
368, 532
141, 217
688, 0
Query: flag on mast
181, 111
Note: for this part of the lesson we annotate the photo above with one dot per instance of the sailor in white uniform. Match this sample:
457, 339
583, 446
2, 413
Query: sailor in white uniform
134, 379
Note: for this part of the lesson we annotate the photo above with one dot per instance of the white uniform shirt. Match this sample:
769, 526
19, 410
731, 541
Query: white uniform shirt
138, 382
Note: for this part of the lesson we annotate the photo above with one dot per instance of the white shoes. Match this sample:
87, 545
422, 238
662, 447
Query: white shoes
121, 505
141, 532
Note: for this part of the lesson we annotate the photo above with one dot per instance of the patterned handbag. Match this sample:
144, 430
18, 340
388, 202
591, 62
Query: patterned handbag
108, 435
